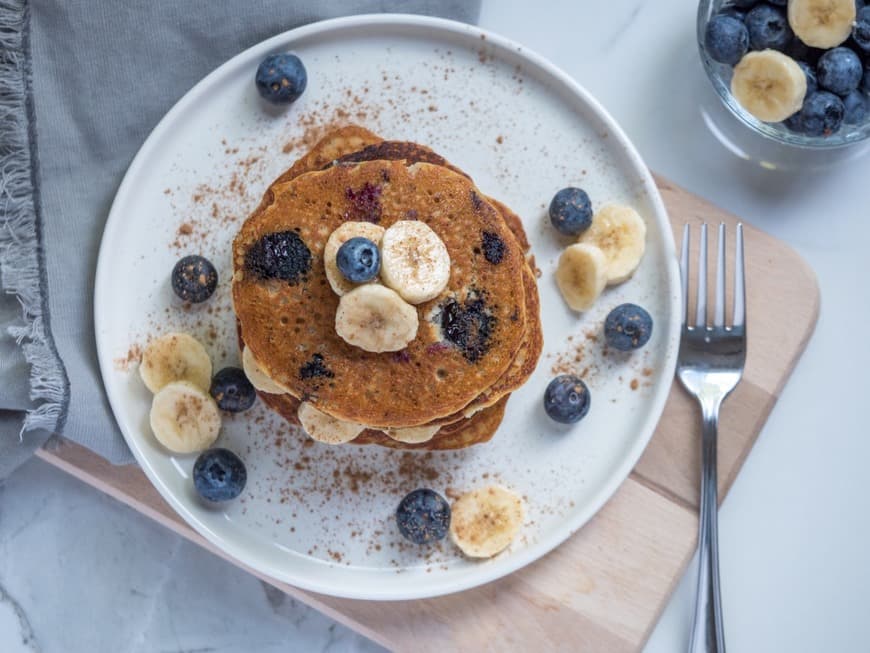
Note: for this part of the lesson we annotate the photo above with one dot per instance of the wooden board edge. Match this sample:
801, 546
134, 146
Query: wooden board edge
811, 281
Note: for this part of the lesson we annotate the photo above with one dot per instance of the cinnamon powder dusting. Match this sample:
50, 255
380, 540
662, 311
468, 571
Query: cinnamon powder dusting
134, 355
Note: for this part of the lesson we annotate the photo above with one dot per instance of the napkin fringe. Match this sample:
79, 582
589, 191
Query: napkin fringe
20, 236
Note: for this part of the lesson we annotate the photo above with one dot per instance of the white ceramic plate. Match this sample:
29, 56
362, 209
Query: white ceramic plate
322, 518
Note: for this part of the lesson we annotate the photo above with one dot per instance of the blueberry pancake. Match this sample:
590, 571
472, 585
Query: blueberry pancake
465, 337
478, 421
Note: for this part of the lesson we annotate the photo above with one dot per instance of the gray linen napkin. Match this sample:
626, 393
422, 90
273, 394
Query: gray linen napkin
82, 83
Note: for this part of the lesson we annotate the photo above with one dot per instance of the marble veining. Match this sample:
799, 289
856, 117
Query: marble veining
81, 572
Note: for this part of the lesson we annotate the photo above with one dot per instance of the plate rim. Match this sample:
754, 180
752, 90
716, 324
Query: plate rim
488, 571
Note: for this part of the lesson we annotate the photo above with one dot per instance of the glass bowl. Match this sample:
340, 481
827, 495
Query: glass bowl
720, 76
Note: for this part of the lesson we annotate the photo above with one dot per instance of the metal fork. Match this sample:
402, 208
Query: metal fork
710, 364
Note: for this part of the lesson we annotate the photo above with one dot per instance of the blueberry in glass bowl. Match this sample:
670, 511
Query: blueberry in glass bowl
797, 73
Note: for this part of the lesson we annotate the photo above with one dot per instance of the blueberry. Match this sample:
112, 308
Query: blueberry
571, 211
567, 399
799, 51
768, 28
794, 123
281, 78
280, 255
733, 12
812, 82
781, 3
627, 327
822, 114
423, 516
857, 108
861, 30
468, 325
358, 260
726, 39
219, 475
865, 86
744, 4
839, 71
232, 391
493, 247
194, 279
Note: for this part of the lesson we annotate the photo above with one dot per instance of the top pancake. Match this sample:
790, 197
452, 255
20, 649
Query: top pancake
290, 327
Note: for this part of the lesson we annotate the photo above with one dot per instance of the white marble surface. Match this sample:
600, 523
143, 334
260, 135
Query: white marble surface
79, 572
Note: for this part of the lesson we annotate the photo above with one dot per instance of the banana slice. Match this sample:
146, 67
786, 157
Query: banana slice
374, 318
184, 418
581, 275
620, 233
822, 23
414, 261
485, 521
347, 230
175, 357
769, 85
326, 428
257, 376
413, 434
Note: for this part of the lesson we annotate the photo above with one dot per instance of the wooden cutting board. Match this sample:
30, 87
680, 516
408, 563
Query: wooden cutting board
604, 589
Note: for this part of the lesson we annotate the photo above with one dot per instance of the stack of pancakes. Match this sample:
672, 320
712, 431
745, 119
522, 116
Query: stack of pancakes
477, 341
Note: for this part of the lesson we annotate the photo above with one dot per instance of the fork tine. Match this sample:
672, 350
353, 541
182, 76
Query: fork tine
739, 318
719, 306
684, 272
701, 304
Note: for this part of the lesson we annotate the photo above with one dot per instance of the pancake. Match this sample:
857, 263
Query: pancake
353, 143
463, 433
521, 366
334, 145
290, 327
334, 148
527, 357
410, 153
520, 369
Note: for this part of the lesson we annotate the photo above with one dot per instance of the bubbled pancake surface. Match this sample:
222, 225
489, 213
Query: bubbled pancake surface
290, 327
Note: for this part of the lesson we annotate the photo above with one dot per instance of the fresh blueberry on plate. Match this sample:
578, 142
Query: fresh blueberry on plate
768, 28
627, 327
571, 211
812, 82
219, 475
567, 399
281, 255
194, 278
839, 71
281, 78
822, 114
358, 259
861, 30
423, 516
857, 108
726, 39
232, 390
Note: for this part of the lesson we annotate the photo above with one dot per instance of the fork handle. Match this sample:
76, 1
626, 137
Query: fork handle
708, 634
